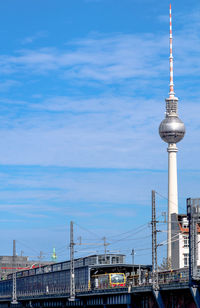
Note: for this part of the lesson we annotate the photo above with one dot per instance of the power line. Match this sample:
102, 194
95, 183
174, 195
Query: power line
87, 230
131, 230
122, 239
167, 199
25, 245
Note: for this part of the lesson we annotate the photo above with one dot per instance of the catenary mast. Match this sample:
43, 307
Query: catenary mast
171, 130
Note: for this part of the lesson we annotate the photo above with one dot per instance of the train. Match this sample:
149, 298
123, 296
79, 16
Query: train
108, 280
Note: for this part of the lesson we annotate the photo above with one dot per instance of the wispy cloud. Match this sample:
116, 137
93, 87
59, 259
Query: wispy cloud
116, 59
33, 38
104, 59
63, 129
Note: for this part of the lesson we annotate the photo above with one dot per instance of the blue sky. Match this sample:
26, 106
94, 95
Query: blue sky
82, 89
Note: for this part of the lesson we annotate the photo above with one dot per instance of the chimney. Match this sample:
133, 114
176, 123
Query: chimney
14, 248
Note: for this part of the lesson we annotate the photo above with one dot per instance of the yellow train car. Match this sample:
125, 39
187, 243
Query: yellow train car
108, 280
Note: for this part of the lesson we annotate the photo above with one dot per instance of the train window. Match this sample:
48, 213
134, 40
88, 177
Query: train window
117, 278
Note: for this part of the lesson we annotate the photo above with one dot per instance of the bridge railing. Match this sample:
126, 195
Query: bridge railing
164, 278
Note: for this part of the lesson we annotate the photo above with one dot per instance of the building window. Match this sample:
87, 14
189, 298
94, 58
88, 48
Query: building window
101, 260
186, 259
186, 241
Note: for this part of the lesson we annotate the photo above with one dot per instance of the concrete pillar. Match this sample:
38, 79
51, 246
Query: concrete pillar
172, 191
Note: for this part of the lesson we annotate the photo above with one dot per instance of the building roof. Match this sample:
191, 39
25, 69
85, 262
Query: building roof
184, 225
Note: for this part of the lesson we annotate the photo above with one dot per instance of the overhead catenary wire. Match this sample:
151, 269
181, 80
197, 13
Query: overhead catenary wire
122, 239
27, 246
129, 236
89, 231
137, 230
129, 231
167, 199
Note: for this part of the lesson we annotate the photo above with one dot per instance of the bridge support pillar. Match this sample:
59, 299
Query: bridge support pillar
158, 298
196, 295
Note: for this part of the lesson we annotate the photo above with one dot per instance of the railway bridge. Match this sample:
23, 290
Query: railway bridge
170, 295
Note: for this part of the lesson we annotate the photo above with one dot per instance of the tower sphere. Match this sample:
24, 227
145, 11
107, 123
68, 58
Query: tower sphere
172, 129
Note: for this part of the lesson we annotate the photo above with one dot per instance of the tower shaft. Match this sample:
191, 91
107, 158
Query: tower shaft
172, 191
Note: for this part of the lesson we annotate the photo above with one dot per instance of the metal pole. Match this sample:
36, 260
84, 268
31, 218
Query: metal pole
105, 247
154, 244
153, 233
14, 292
139, 275
72, 276
14, 288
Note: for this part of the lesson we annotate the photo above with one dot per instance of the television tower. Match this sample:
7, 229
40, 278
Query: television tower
171, 130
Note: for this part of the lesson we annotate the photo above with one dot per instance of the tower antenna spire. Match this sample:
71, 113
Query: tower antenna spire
171, 85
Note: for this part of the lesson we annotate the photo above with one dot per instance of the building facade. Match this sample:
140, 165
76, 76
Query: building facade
180, 241
11, 264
